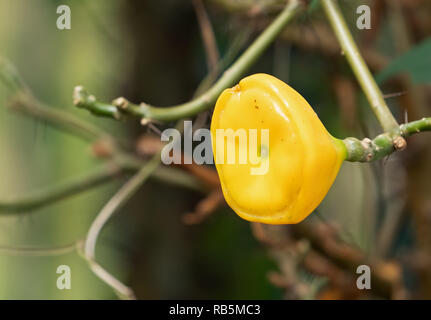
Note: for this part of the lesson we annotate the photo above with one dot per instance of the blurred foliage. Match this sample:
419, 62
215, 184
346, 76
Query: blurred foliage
416, 62
152, 51
34, 155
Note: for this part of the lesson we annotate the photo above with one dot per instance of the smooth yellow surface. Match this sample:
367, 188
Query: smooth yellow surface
303, 158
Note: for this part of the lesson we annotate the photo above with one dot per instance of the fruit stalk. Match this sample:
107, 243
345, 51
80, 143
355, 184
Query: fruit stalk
367, 150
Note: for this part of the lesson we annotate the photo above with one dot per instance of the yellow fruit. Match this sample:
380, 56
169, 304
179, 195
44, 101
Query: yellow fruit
295, 167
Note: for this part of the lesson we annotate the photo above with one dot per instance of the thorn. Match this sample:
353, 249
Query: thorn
386, 159
155, 129
395, 94
80, 95
78, 88
121, 102
366, 143
399, 143
78, 92
149, 123
145, 121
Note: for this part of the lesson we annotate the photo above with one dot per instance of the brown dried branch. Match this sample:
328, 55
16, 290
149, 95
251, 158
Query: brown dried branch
323, 254
148, 145
207, 34
205, 207
340, 281
386, 276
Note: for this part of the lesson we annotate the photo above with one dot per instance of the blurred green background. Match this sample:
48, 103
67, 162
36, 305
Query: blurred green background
152, 51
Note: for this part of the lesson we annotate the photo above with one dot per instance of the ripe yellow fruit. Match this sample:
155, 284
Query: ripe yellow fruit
300, 157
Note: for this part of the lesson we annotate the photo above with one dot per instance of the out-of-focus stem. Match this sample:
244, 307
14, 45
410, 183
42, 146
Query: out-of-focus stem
44, 197
24, 101
358, 65
113, 205
202, 102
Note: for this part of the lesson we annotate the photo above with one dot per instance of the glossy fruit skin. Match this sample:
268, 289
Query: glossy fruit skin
303, 158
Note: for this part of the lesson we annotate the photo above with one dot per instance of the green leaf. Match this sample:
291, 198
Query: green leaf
416, 62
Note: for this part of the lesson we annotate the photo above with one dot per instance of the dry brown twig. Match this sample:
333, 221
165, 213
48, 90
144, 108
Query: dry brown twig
207, 34
205, 207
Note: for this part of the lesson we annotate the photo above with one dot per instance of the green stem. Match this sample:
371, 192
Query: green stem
207, 99
113, 205
57, 118
367, 150
237, 44
117, 201
358, 65
24, 101
51, 195
38, 252
82, 99
121, 165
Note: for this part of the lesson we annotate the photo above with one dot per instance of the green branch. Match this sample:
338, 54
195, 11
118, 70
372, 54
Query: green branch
60, 192
24, 101
118, 200
82, 99
38, 251
206, 100
367, 150
101, 175
358, 65
113, 205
